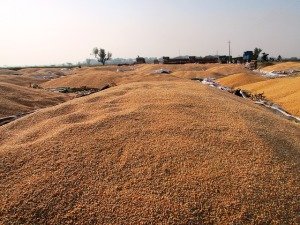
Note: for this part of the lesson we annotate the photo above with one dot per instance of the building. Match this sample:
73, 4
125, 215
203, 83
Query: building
189, 59
140, 60
155, 61
248, 56
223, 59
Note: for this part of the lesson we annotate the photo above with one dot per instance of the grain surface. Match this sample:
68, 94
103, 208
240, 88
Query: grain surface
155, 152
283, 91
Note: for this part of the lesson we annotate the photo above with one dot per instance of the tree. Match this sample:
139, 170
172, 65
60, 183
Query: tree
256, 53
88, 62
101, 55
264, 57
279, 58
294, 59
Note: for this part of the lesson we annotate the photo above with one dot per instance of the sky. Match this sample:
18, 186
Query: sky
45, 32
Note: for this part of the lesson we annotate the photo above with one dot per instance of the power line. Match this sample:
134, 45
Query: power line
229, 42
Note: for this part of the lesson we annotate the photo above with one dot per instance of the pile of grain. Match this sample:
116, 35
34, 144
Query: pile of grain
155, 152
240, 79
41, 73
283, 66
226, 69
231, 75
20, 80
98, 76
8, 72
283, 91
91, 77
15, 99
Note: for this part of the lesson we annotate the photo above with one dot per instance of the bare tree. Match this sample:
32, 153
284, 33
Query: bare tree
101, 55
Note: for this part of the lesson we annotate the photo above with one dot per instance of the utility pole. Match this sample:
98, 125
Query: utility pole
229, 42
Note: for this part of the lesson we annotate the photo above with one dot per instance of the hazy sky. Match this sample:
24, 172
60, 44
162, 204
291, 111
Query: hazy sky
56, 31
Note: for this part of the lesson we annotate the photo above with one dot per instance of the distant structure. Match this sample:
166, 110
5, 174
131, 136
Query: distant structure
238, 60
223, 59
229, 57
190, 59
140, 60
248, 56
156, 61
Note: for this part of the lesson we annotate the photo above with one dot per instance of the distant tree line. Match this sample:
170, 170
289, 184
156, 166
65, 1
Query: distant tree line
265, 56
